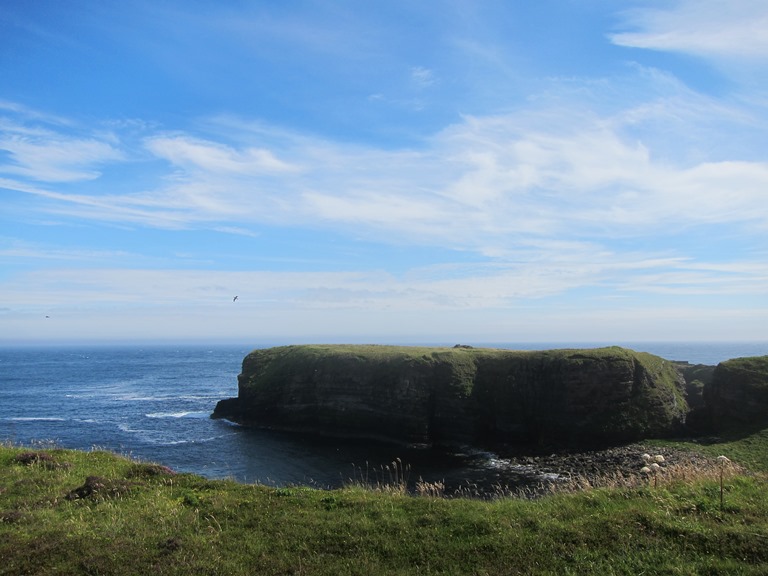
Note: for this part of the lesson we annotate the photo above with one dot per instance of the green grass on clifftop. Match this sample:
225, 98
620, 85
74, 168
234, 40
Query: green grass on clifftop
67, 512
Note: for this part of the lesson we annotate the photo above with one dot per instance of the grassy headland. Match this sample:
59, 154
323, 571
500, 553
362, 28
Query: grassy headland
443, 396
69, 512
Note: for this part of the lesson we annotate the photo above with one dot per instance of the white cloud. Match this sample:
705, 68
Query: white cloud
422, 77
27, 112
710, 28
594, 190
484, 184
472, 186
54, 157
476, 286
216, 158
547, 200
32, 251
490, 304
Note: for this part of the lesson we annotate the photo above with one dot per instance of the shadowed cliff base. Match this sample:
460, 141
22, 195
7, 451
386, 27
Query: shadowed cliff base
461, 395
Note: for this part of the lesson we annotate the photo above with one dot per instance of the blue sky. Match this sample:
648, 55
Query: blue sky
399, 171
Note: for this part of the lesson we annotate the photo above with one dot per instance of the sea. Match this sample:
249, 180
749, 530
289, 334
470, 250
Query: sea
153, 403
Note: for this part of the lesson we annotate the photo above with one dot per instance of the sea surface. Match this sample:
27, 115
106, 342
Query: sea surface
154, 403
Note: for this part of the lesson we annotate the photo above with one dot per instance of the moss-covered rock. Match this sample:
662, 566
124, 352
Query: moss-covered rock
451, 395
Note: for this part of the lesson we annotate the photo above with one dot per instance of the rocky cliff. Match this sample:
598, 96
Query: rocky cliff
451, 395
698, 377
737, 396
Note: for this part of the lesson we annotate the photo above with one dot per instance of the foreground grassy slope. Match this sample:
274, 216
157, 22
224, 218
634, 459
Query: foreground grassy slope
65, 512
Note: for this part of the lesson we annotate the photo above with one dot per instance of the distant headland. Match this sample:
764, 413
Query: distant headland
442, 396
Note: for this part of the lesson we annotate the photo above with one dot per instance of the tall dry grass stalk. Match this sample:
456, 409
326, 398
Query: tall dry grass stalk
685, 472
430, 489
394, 479
391, 478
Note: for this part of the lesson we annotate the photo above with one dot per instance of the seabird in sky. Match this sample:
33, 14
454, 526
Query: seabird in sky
234, 299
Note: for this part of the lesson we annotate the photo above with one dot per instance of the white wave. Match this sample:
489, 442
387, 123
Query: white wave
178, 415
135, 398
498, 463
550, 476
148, 436
225, 422
192, 440
35, 419
164, 438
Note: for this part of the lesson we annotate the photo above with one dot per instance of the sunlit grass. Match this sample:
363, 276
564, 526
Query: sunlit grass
148, 520
749, 449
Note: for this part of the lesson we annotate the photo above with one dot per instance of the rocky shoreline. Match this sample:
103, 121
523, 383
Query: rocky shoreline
599, 466
516, 472
596, 464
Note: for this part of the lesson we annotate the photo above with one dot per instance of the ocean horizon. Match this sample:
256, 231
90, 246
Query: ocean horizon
695, 352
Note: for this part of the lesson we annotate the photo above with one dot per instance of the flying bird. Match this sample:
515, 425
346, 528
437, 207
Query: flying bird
234, 299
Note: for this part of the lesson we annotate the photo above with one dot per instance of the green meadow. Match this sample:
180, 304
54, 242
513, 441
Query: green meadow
72, 512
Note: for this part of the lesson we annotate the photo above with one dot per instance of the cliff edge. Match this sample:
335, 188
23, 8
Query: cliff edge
432, 396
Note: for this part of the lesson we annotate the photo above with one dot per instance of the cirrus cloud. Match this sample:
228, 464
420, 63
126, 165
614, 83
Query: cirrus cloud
710, 28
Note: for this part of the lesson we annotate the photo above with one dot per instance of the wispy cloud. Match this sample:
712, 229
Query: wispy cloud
454, 287
422, 77
633, 297
11, 249
195, 154
484, 184
27, 112
50, 155
491, 179
709, 28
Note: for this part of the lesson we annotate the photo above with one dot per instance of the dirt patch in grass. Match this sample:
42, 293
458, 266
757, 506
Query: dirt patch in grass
43, 459
10, 516
98, 488
149, 471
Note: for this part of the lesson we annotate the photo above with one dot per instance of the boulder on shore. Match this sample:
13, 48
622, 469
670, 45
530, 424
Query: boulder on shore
429, 396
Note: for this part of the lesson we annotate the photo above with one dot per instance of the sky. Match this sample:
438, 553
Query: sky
454, 171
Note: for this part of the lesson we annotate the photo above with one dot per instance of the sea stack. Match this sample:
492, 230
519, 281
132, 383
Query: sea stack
460, 395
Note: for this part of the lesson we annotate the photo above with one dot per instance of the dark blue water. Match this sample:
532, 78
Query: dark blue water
154, 403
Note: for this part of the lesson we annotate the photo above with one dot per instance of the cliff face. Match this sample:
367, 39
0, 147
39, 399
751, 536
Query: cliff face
451, 395
738, 394
698, 377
